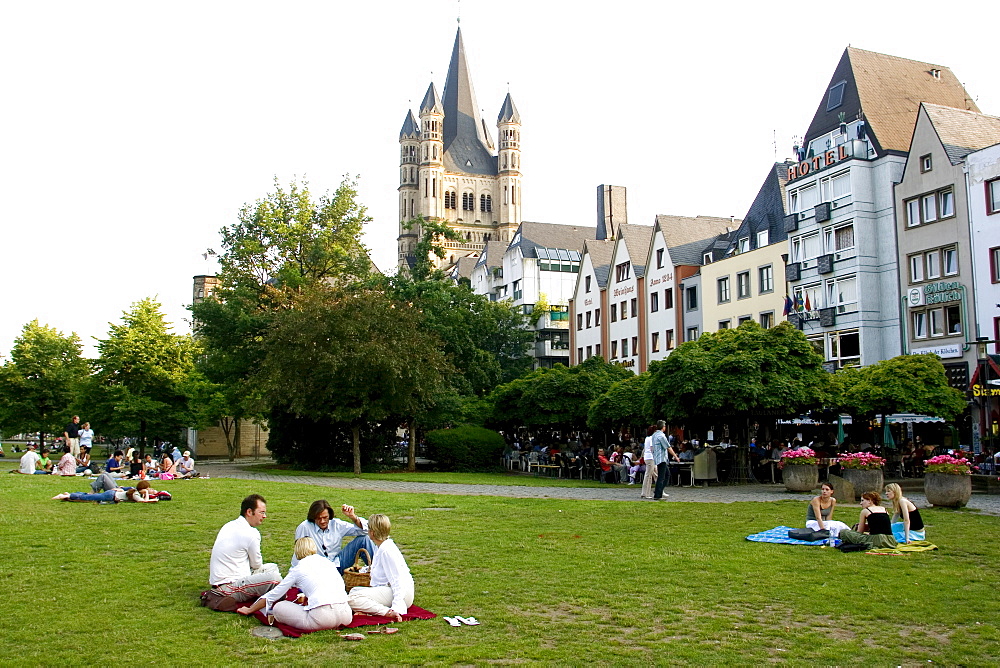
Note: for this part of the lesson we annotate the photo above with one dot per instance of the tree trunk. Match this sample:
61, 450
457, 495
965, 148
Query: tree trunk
142, 439
226, 424
356, 434
411, 448
41, 439
237, 437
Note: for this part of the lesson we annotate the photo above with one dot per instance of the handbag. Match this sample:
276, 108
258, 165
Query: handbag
353, 577
808, 534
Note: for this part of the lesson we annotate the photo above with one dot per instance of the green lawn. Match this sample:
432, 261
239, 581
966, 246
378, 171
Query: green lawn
553, 581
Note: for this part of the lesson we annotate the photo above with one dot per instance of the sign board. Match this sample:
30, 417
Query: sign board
945, 352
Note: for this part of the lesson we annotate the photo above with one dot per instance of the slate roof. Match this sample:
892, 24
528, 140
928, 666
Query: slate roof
551, 235
637, 239
466, 138
431, 101
464, 267
961, 132
508, 112
600, 251
492, 255
411, 128
767, 210
888, 91
687, 237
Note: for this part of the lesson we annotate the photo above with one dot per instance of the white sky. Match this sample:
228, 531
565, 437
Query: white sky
133, 131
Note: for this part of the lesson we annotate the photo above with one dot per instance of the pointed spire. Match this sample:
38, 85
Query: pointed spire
461, 113
508, 112
411, 128
432, 102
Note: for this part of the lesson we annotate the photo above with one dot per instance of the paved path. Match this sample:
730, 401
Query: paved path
989, 504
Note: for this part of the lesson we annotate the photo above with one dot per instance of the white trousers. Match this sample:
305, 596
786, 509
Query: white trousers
375, 600
648, 478
834, 526
322, 617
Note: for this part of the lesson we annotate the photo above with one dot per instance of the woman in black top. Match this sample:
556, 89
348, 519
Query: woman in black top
875, 521
907, 524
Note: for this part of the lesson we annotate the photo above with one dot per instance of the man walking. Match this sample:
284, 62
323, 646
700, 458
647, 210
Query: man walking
237, 569
661, 451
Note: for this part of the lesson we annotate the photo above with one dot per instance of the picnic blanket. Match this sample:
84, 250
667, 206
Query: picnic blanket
360, 619
780, 535
903, 548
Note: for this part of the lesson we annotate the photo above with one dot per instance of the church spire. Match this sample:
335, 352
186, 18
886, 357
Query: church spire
432, 102
508, 112
461, 113
411, 128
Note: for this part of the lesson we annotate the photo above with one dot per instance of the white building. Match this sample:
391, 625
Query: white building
589, 306
983, 183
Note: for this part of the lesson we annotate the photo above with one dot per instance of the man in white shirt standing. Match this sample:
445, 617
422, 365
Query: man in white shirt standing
237, 569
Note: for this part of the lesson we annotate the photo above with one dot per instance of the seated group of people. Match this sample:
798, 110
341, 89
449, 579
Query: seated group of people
875, 527
128, 465
237, 570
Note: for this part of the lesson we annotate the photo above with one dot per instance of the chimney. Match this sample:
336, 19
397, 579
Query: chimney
611, 210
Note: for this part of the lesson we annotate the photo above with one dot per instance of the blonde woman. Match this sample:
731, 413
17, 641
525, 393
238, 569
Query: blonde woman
907, 524
322, 603
391, 591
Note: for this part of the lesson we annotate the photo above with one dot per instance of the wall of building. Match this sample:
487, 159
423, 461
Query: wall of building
983, 167
660, 281
211, 442
756, 304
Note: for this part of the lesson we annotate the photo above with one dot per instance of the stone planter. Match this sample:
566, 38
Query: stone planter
945, 489
799, 478
864, 480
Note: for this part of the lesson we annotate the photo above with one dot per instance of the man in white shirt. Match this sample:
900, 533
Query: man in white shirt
237, 569
29, 460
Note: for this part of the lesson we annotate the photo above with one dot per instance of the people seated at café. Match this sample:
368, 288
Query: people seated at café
605, 464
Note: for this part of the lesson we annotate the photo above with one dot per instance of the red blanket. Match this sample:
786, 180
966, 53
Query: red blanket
360, 619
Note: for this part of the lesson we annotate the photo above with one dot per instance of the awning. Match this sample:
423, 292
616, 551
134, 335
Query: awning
911, 417
844, 419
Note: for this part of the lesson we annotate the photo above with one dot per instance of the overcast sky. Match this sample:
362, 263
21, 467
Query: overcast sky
134, 131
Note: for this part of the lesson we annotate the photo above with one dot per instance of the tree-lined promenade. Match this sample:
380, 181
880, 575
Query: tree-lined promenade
303, 335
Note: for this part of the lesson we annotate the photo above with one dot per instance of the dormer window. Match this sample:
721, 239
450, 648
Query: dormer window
706, 258
744, 244
836, 95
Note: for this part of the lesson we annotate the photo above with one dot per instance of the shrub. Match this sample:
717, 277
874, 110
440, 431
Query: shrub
465, 448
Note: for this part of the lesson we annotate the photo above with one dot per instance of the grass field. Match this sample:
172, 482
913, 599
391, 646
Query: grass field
552, 581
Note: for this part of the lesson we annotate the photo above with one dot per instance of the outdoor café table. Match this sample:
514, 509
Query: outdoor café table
680, 468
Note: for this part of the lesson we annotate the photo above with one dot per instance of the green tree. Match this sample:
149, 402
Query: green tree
622, 406
739, 372
903, 384
354, 357
38, 382
141, 376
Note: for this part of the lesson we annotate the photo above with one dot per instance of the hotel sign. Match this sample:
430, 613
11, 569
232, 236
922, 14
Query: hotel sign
821, 161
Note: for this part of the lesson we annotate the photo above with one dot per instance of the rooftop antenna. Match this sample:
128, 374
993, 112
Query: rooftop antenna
774, 142
459, 18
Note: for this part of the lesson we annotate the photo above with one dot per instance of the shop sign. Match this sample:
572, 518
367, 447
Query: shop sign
946, 351
983, 391
666, 278
621, 292
938, 293
627, 363
821, 161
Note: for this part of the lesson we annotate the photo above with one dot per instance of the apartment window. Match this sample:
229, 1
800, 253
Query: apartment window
742, 319
692, 298
762, 238
803, 199
947, 203
518, 293
995, 264
925, 163
808, 297
590, 352
579, 354
706, 258
765, 279
579, 321
724, 324
597, 349
614, 313
933, 264
920, 325
842, 293
839, 239
845, 348
743, 285
993, 196
659, 258
692, 334
835, 187
588, 319
624, 347
953, 319
916, 268
806, 247
743, 244
655, 342
930, 207
913, 212
623, 271
668, 339
654, 302
836, 95
622, 311
635, 307
949, 260
723, 289
614, 350
597, 317
635, 345
767, 320
586, 284
668, 298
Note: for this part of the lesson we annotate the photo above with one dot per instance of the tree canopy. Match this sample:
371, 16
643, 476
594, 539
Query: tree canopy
903, 384
622, 406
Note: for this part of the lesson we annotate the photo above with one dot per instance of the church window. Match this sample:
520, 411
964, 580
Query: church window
435, 152
425, 186
505, 195
468, 202
486, 203
450, 200
434, 187
505, 161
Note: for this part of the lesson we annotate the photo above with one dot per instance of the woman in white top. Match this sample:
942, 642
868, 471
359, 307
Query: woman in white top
391, 591
649, 477
322, 603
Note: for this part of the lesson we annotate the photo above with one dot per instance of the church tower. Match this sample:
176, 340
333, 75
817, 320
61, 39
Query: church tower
450, 170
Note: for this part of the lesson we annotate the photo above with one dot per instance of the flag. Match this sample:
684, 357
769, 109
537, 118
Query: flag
788, 306
798, 303
808, 308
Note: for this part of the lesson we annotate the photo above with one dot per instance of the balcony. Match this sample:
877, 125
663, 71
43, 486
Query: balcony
552, 349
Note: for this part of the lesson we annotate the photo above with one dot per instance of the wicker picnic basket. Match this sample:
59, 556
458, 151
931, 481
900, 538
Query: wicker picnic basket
352, 575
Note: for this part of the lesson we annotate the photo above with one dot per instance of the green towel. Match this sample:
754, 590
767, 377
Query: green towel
913, 546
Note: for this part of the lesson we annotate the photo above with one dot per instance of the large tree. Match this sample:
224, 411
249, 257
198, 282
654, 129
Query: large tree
38, 382
139, 387
744, 372
623, 406
354, 357
903, 384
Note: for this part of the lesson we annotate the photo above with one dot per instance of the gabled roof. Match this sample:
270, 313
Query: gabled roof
466, 142
508, 112
492, 255
411, 128
600, 251
464, 266
767, 212
961, 132
551, 235
431, 101
887, 91
636, 239
686, 237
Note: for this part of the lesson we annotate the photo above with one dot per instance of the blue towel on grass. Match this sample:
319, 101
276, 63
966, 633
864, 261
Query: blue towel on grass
780, 535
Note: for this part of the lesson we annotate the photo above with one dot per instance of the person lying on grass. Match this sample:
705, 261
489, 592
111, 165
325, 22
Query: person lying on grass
322, 602
391, 591
139, 494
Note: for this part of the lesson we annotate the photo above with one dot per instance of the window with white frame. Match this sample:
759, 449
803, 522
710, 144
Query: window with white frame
919, 324
724, 324
839, 239
916, 268
939, 321
706, 258
806, 247
762, 238
803, 198
842, 293
930, 207
743, 245
933, 259
723, 289
949, 261
836, 187
623, 271
933, 263
808, 297
743, 285
993, 196
765, 279
845, 348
